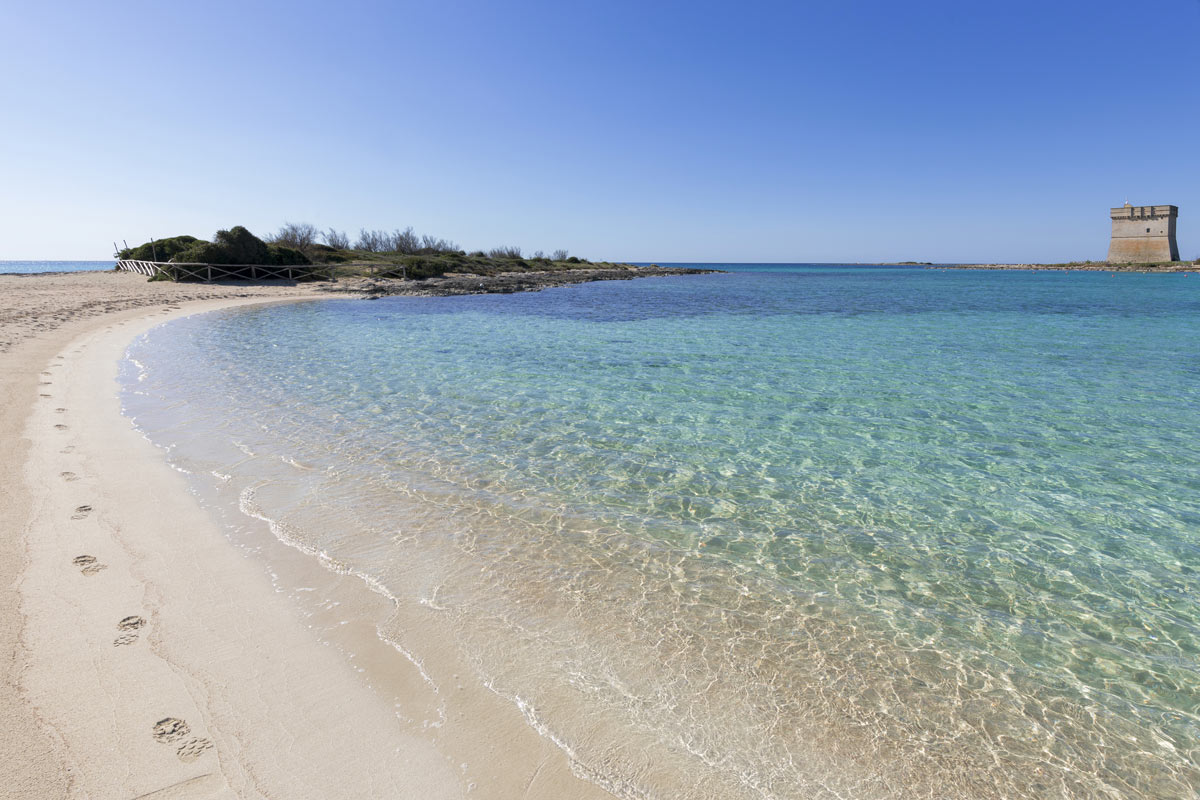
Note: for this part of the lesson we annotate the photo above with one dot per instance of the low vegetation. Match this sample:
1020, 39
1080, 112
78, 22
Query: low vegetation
160, 250
400, 253
234, 246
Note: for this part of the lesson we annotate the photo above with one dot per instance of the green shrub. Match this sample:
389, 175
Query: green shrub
324, 254
419, 268
238, 246
201, 252
284, 256
161, 250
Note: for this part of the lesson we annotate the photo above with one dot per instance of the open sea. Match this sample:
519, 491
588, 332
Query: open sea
794, 531
34, 267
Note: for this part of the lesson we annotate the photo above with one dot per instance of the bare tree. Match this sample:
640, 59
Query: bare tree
538, 255
373, 241
559, 255
505, 252
300, 235
432, 245
404, 241
336, 239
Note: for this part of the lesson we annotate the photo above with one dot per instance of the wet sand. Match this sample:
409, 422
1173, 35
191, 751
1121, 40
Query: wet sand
143, 654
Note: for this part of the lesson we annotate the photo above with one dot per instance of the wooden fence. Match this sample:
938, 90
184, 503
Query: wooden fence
227, 272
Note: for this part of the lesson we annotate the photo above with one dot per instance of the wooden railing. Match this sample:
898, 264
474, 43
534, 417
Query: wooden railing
149, 268
226, 272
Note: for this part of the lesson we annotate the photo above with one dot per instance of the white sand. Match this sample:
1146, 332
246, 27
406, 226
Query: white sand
218, 686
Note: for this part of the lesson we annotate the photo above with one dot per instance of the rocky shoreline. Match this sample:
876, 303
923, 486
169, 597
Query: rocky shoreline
504, 283
1086, 266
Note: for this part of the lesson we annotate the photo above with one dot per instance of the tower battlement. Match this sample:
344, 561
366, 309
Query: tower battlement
1143, 234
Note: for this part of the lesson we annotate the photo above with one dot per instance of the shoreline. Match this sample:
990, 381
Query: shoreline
1098, 266
176, 664
453, 283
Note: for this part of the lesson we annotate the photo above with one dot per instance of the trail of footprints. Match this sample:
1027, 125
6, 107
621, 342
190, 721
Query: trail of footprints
169, 730
172, 730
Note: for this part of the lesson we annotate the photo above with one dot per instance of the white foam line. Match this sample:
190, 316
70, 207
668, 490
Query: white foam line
294, 463
622, 789
420, 665
578, 767
247, 506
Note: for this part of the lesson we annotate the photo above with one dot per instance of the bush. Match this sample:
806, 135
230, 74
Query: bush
285, 256
404, 241
336, 239
324, 254
434, 245
420, 268
559, 255
505, 252
239, 246
200, 253
373, 241
161, 250
297, 235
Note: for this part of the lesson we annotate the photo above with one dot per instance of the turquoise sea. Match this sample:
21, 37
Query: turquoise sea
793, 531
33, 267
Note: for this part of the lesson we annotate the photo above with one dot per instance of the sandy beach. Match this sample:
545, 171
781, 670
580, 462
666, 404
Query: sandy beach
144, 655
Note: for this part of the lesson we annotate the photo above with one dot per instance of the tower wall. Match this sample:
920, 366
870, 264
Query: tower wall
1143, 233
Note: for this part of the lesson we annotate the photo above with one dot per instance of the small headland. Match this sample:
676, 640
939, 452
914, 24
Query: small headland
506, 282
379, 263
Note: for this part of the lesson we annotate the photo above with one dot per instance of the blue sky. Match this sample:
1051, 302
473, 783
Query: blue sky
844, 131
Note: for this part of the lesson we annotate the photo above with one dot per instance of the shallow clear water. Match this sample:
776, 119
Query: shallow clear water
31, 267
791, 531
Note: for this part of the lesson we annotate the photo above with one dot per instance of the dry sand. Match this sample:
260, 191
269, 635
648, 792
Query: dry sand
142, 654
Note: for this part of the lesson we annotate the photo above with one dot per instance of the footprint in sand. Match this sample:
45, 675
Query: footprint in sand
172, 730
125, 638
68, 476
81, 512
89, 565
60, 427
59, 410
45, 383
68, 449
131, 623
45, 395
193, 749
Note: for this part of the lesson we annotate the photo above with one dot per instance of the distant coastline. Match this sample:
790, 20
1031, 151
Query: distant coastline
47, 266
1088, 266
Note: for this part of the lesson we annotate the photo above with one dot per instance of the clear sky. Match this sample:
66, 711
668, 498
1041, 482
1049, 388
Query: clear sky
850, 130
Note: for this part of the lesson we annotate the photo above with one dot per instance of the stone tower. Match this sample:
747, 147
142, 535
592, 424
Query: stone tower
1143, 233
